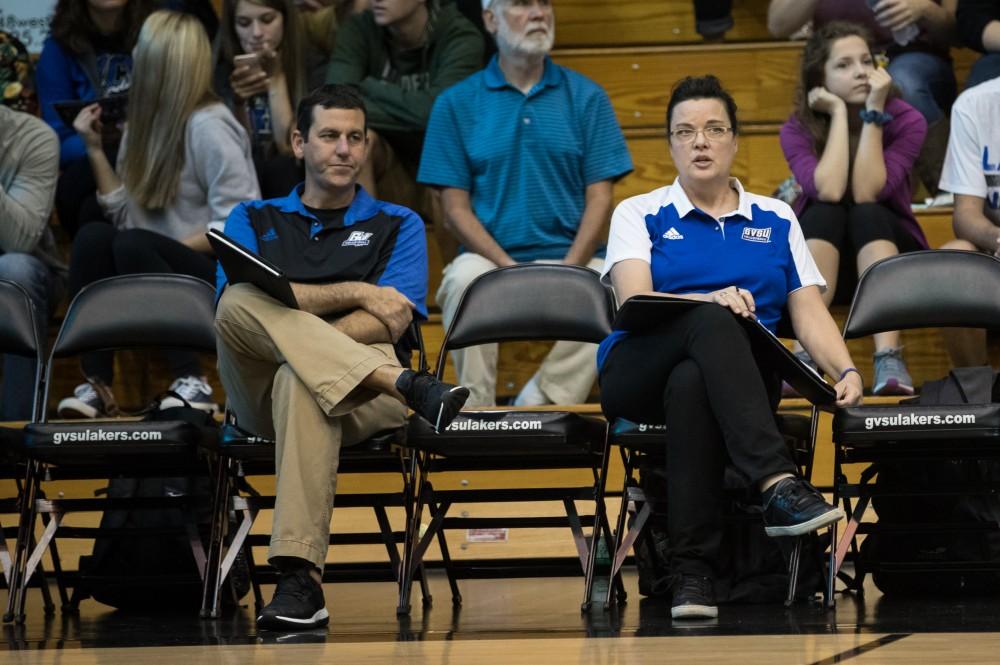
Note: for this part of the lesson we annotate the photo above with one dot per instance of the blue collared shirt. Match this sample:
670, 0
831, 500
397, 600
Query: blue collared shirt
525, 159
759, 247
378, 243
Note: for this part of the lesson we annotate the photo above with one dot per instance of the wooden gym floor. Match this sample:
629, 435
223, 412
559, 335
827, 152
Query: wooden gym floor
521, 621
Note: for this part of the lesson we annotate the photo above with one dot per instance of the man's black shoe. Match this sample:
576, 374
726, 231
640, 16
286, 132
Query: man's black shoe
693, 598
298, 603
793, 507
435, 401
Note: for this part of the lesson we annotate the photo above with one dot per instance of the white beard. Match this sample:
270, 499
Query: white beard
531, 45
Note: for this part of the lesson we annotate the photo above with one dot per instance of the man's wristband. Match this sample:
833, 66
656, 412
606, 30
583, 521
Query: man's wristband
878, 118
849, 370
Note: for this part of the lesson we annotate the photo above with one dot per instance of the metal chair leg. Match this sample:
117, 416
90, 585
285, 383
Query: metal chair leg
211, 584
25, 529
793, 571
412, 534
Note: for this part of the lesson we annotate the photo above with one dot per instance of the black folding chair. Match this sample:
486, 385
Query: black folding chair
241, 454
929, 289
18, 336
129, 311
523, 302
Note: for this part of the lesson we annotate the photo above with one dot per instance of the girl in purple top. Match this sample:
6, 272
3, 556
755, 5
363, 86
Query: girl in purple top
851, 144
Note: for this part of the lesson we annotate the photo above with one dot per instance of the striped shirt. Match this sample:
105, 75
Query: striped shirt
525, 159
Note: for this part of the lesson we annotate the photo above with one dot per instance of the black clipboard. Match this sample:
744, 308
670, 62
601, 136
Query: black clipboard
113, 109
642, 312
242, 265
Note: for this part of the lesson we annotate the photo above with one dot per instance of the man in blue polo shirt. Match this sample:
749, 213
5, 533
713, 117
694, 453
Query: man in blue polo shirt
327, 374
525, 154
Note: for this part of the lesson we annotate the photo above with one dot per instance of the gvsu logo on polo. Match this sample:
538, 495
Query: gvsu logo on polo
357, 239
757, 235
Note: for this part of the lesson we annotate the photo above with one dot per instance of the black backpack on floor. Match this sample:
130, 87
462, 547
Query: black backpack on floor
154, 567
966, 385
752, 566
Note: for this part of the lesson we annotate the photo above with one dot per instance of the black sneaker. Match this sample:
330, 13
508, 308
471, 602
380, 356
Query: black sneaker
793, 507
435, 401
694, 598
92, 399
298, 603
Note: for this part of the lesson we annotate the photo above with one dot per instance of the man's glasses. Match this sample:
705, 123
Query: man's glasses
712, 133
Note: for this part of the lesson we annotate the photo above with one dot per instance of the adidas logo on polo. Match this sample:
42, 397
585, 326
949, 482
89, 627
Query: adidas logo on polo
757, 235
269, 235
357, 239
673, 234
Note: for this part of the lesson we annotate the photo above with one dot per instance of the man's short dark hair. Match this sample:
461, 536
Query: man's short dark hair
702, 87
330, 96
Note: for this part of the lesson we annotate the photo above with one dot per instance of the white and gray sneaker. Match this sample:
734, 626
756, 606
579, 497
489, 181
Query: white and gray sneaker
192, 389
92, 399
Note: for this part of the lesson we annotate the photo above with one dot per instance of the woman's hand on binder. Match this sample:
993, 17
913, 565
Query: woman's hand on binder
740, 301
849, 390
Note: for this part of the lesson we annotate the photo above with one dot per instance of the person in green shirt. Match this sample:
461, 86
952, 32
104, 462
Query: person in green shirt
401, 54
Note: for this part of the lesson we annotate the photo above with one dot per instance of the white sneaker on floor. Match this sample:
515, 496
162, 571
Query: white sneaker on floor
531, 395
192, 389
90, 400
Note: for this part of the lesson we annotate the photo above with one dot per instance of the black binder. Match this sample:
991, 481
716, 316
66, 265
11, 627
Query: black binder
242, 265
642, 312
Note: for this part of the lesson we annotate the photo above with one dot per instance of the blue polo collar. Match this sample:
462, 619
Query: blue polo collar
362, 208
495, 79
683, 206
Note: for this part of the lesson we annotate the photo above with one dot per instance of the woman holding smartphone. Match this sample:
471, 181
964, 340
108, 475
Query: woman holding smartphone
261, 76
87, 55
183, 165
851, 145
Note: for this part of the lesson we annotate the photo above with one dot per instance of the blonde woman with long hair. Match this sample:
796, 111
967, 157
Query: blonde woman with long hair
184, 164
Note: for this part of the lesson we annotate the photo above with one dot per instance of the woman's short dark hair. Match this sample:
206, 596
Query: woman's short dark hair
330, 96
702, 87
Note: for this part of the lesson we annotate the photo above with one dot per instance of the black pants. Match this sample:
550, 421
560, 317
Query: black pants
697, 375
849, 227
100, 250
76, 194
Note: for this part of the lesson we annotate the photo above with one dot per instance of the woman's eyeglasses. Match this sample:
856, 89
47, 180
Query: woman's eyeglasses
712, 133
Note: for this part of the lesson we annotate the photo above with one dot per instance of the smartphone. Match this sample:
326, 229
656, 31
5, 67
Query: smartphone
251, 60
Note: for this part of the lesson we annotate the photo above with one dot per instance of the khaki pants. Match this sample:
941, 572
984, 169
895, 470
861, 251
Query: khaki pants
291, 376
565, 376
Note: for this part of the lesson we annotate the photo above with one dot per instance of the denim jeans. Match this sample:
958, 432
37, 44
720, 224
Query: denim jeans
17, 392
984, 69
927, 82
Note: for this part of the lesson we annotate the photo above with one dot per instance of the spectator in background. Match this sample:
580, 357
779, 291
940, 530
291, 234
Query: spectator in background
851, 144
525, 154
320, 19
972, 173
401, 54
29, 166
184, 164
87, 55
915, 35
979, 29
263, 94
